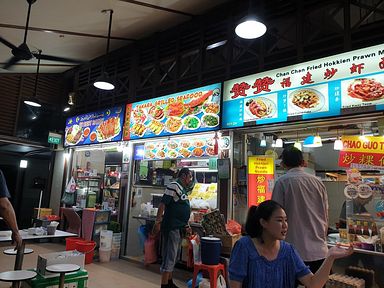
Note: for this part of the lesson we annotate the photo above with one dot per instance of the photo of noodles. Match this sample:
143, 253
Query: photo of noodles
305, 98
366, 89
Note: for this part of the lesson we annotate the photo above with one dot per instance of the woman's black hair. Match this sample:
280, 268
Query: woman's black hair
256, 213
292, 157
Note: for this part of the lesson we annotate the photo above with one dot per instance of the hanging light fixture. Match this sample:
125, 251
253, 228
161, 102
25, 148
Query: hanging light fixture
103, 82
297, 143
33, 101
250, 27
279, 143
263, 141
338, 144
71, 98
313, 141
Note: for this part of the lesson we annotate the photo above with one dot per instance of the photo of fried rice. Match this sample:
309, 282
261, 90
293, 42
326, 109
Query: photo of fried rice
305, 98
366, 89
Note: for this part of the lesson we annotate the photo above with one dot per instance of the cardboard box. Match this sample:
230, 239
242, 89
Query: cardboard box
228, 241
43, 212
64, 257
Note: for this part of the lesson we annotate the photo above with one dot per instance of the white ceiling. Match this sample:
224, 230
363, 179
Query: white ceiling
130, 20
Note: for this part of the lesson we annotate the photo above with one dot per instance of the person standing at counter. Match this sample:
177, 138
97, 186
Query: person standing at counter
358, 207
173, 215
263, 259
7, 212
305, 200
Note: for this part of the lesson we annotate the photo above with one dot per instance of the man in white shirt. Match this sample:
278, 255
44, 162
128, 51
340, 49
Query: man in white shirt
305, 200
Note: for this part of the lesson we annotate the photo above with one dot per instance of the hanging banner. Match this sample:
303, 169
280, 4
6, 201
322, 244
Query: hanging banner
194, 110
96, 127
347, 83
261, 171
362, 152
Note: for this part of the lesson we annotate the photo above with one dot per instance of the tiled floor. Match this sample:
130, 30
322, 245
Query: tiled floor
114, 274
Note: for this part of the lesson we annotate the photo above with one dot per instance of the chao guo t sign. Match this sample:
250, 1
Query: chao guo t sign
362, 152
261, 170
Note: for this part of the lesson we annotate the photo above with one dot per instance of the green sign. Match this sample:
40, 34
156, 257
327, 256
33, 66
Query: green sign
212, 164
54, 138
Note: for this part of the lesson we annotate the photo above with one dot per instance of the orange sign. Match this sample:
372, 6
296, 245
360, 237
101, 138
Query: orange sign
261, 171
362, 150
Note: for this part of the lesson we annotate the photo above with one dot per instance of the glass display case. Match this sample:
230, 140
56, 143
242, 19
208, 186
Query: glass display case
87, 191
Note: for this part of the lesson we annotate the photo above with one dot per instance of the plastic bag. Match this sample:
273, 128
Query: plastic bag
233, 227
150, 250
143, 235
68, 198
71, 186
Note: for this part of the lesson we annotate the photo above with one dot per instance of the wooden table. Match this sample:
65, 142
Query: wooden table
25, 236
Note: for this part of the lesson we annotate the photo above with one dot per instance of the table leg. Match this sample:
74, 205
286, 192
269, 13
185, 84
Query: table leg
19, 257
62, 278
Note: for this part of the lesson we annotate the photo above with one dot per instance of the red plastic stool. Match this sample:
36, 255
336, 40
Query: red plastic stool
213, 271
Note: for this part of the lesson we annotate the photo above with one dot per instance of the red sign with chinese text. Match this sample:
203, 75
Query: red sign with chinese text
260, 179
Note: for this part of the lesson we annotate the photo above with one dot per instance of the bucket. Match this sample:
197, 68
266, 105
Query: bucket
210, 250
70, 243
88, 248
104, 254
106, 239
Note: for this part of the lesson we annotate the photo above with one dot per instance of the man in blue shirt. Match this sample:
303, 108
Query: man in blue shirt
173, 215
7, 212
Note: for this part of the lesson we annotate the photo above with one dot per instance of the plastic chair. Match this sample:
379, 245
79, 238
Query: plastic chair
17, 276
72, 220
213, 271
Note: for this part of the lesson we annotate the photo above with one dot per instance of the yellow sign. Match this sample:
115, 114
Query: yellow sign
261, 164
370, 144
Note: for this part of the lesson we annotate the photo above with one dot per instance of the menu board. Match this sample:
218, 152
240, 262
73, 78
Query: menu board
96, 127
343, 84
195, 110
190, 147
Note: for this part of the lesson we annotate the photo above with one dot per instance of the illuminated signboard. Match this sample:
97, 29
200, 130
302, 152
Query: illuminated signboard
343, 84
362, 152
96, 127
195, 110
261, 171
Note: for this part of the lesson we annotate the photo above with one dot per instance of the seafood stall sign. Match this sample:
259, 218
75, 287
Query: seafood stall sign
194, 110
96, 127
344, 84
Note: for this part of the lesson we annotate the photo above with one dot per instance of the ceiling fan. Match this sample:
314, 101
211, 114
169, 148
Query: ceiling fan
22, 52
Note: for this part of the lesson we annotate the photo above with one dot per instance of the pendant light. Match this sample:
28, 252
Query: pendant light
103, 82
33, 101
297, 143
338, 145
313, 141
250, 27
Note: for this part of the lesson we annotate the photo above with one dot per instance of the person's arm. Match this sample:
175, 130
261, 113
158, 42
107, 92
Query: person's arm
319, 279
159, 218
9, 216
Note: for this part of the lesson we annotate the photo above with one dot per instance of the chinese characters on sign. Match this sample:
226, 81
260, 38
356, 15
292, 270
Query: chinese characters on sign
260, 178
362, 151
343, 84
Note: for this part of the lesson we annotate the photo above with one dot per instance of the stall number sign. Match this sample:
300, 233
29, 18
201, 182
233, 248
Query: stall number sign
362, 152
54, 138
261, 170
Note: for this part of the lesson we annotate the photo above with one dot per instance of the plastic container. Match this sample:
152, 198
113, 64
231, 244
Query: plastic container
115, 253
70, 243
106, 239
88, 248
104, 255
210, 250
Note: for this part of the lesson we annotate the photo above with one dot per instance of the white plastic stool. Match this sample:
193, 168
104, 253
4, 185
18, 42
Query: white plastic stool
17, 276
62, 269
13, 252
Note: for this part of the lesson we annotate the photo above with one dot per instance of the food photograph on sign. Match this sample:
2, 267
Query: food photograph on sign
262, 107
367, 91
308, 100
97, 127
185, 112
180, 148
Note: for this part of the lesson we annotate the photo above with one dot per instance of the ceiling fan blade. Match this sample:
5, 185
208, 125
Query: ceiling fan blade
6, 43
56, 58
11, 62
